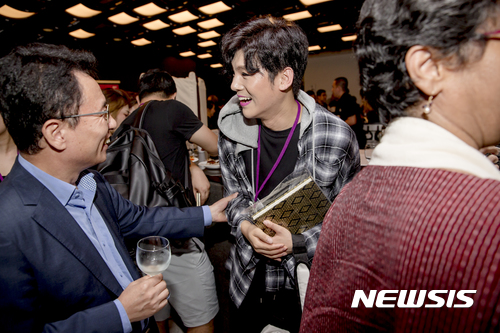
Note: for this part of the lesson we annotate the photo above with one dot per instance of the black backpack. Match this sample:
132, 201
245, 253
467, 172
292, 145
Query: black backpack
134, 168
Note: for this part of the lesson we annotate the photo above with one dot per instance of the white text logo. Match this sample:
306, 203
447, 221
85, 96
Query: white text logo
399, 298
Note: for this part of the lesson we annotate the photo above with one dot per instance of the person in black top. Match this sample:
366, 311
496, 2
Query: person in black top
347, 109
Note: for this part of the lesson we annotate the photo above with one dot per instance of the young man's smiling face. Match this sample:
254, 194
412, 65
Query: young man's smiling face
259, 97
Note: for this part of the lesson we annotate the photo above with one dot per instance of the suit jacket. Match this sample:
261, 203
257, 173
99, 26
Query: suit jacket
51, 276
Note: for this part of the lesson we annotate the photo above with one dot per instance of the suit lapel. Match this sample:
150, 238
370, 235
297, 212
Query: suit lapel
56, 220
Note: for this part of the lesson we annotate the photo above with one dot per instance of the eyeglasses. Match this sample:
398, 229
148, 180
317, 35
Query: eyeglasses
105, 113
487, 35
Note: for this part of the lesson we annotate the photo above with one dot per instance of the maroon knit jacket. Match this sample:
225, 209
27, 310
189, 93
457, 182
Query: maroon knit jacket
402, 228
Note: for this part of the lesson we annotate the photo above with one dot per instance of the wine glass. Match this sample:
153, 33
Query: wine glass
153, 254
370, 146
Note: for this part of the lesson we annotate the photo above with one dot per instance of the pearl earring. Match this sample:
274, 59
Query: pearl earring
427, 107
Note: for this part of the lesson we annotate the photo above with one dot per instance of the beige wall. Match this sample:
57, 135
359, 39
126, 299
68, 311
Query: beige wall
323, 68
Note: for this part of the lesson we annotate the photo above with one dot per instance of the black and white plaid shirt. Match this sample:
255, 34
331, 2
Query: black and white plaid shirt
337, 161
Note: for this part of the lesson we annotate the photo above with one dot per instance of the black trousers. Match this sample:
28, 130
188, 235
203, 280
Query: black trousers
260, 308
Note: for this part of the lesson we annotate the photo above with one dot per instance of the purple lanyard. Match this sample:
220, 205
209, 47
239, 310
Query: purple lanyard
279, 157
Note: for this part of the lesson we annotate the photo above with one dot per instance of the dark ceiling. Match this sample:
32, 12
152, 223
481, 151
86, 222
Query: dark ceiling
119, 58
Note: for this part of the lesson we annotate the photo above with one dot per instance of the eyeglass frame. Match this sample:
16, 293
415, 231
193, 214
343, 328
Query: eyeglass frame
89, 114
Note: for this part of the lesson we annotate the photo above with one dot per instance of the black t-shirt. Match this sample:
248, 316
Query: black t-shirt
271, 145
170, 123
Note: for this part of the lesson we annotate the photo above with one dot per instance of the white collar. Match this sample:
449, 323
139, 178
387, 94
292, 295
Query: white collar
415, 142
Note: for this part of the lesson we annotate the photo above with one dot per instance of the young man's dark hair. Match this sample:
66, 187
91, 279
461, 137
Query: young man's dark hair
156, 81
342, 83
38, 83
270, 43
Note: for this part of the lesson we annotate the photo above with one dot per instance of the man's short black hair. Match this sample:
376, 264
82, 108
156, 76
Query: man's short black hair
269, 43
342, 83
158, 82
320, 91
38, 83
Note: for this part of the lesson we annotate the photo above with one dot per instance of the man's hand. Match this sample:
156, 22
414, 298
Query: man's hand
200, 183
262, 243
144, 297
218, 208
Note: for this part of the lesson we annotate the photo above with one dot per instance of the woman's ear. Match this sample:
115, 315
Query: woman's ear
426, 73
286, 79
54, 133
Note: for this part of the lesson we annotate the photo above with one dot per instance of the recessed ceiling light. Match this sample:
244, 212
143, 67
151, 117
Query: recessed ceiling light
183, 17
209, 34
187, 54
297, 16
207, 43
349, 38
156, 25
10, 12
48, 29
184, 31
122, 18
329, 28
210, 24
314, 48
149, 9
117, 39
217, 7
141, 42
216, 65
205, 56
80, 33
312, 2
82, 11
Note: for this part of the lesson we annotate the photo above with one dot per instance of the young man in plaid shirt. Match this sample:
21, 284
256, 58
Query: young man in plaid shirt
271, 130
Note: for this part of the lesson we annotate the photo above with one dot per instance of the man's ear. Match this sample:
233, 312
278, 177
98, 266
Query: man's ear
285, 79
54, 132
426, 73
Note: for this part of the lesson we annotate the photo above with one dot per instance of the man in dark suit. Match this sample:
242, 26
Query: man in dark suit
64, 266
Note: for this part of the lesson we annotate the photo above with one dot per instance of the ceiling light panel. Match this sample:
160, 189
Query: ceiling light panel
149, 9
216, 65
82, 11
312, 2
329, 28
122, 19
141, 42
187, 54
183, 31
10, 12
156, 25
297, 16
82, 34
349, 38
183, 17
314, 48
205, 56
210, 24
209, 34
215, 8
207, 43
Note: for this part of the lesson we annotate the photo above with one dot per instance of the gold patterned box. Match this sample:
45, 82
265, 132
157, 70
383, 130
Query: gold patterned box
298, 210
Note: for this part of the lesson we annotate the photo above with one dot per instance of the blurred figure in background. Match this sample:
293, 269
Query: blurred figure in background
8, 151
119, 104
213, 111
424, 215
321, 98
347, 109
312, 94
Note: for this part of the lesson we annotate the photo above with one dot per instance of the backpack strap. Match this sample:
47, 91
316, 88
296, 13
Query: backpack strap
139, 117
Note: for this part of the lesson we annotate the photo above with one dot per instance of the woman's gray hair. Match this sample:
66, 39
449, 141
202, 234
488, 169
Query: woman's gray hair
388, 28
